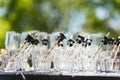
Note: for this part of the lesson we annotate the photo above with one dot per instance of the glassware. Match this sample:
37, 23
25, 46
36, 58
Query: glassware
100, 65
64, 64
77, 61
12, 65
105, 65
109, 67
89, 65
77, 65
4, 56
42, 65
12, 41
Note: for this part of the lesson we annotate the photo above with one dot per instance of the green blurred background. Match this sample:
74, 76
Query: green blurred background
92, 16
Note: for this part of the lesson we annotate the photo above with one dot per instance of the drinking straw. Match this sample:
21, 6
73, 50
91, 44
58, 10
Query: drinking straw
21, 48
79, 40
114, 49
99, 49
60, 38
31, 41
111, 43
111, 53
97, 52
116, 52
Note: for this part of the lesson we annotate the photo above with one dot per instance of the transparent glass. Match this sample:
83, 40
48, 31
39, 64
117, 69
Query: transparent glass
64, 64
89, 65
100, 65
12, 65
12, 41
77, 65
112, 65
4, 57
42, 65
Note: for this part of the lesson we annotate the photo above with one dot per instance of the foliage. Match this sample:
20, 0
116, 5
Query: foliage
55, 15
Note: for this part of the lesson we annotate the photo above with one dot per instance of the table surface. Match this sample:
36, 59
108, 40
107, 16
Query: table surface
59, 76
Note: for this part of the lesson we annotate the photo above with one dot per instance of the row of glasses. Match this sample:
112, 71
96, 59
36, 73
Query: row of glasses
95, 66
84, 63
63, 62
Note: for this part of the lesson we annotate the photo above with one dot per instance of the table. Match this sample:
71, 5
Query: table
59, 76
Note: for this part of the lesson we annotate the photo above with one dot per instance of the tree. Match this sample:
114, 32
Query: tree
59, 15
